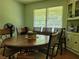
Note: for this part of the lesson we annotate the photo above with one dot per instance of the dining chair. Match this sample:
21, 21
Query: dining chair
24, 30
62, 40
64, 37
57, 29
47, 30
37, 30
2, 57
5, 34
8, 52
11, 27
52, 49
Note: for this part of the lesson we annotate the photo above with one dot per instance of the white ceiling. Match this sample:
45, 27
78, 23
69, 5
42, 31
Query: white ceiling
28, 1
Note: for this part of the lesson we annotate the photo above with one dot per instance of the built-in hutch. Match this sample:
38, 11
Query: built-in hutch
73, 26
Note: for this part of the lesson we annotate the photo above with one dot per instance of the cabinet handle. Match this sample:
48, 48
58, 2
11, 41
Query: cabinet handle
75, 42
67, 39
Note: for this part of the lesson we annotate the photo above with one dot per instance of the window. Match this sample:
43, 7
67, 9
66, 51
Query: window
39, 18
54, 17
48, 17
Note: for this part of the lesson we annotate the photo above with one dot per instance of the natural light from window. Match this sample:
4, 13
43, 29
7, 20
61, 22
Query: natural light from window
48, 17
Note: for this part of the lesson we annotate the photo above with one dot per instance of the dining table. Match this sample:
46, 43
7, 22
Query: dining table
25, 42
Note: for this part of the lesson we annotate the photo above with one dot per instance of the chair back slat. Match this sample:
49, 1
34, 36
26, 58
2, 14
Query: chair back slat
37, 30
47, 29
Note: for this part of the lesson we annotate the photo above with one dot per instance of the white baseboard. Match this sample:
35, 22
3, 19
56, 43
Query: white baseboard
76, 52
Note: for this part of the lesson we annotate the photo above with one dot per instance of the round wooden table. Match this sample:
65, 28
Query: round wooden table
25, 42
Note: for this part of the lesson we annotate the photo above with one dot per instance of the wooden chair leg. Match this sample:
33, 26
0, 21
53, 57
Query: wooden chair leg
65, 43
4, 51
61, 48
9, 57
51, 57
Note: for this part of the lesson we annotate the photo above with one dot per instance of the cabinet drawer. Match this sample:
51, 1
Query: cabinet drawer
76, 47
69, 41
75, 43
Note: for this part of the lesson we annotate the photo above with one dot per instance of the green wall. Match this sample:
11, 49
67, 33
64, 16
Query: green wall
11, 12
20, 15
45, 4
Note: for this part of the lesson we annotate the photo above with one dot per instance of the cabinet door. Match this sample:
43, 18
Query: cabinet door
76, 8
69, 41
76, 43
73, 41
71, 8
